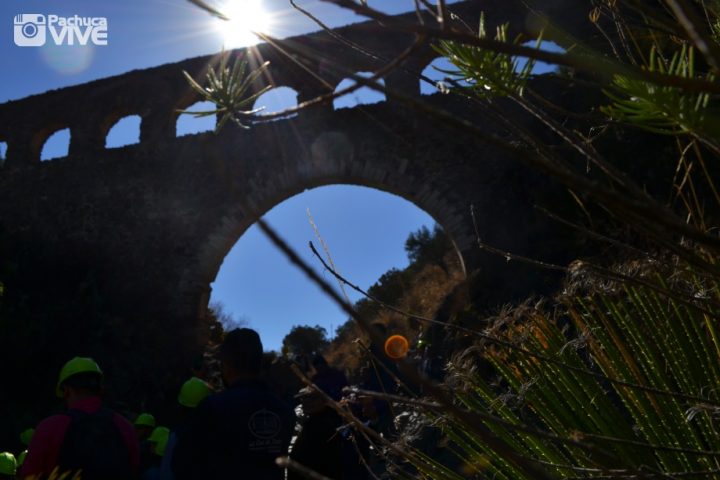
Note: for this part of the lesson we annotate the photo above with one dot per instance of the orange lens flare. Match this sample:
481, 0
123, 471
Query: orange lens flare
396, 346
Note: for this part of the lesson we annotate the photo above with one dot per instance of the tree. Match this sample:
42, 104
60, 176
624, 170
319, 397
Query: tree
424, 246
304, 339
228, 321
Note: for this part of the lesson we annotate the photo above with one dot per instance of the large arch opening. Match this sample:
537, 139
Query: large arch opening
365, 230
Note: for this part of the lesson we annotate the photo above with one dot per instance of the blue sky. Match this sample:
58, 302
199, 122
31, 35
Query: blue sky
364, 228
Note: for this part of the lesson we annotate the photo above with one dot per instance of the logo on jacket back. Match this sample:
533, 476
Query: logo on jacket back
265, 426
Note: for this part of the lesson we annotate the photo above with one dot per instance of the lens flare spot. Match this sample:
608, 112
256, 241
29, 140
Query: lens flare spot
67, 59
396, 346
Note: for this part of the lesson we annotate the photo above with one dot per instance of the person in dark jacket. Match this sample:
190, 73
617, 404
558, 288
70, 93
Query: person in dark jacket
88, 436
323, 445
239, 432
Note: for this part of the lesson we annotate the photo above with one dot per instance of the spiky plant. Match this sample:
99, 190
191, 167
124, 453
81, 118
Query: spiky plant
489, 74
620, 384
230, 89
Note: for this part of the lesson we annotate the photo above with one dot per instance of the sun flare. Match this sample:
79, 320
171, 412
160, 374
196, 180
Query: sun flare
246, 17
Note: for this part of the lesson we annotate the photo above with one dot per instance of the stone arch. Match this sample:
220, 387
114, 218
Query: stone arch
234, 225
125, 131
254, 269
332, 162
52, 143
361, 96
276, 100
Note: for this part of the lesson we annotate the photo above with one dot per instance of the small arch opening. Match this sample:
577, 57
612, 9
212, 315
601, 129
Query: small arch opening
439, 79
541, 68
189, 124
361, 96
125, 131
56, 146
276, 100
3, 153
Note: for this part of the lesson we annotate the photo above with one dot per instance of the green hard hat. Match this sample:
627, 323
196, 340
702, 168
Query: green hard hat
21, 458
26, 436
159, 437
75, 366
193, 392
8, 464
145, 420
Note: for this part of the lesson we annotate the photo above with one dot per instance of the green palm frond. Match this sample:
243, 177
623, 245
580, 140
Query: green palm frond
659, 109
489, 73
230, 89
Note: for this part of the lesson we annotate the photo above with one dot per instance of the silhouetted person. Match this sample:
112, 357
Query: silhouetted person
88, 437
239, 432
144, 425
330, 380
192, 393
322, 444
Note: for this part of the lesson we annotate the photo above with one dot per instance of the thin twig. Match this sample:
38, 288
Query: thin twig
290, 464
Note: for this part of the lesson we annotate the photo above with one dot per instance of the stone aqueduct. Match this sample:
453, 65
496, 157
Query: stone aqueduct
161, 215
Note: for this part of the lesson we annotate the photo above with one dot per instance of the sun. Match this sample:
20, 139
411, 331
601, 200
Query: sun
246, 17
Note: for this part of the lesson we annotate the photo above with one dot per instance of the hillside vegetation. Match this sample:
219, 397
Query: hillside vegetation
417, 290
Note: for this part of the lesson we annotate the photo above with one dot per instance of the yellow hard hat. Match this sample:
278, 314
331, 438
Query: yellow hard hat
75, 366
193, 392
145, 420
8, 464
159, 437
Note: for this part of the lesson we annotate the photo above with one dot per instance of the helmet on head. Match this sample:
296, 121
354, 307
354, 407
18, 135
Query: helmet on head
75, 366
8, 464
145, 420
26, 436
159, 438
193, 392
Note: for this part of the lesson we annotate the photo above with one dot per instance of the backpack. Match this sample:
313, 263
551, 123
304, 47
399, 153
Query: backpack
94, 444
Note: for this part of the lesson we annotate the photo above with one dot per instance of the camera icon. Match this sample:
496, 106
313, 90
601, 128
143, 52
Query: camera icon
30, 30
